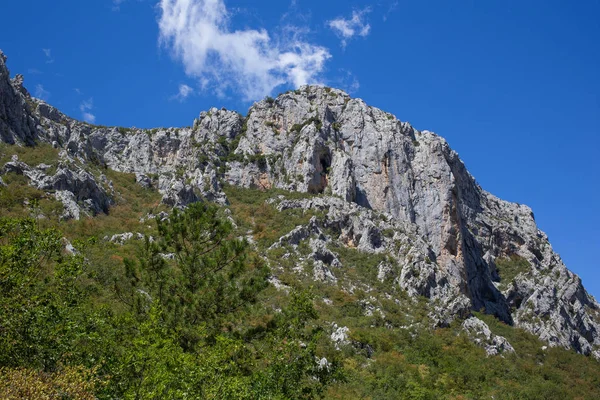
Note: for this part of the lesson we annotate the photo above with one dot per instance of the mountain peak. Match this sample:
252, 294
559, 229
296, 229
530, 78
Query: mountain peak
382, 186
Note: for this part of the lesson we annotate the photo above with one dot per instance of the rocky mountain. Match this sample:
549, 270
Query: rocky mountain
379, 186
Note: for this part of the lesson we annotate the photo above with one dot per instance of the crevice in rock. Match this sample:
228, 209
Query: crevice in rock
360, 198
320, 179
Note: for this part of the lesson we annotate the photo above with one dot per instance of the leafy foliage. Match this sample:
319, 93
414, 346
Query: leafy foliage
510, 267
75, 383
298, 127
209, 278
40, 305
182, 327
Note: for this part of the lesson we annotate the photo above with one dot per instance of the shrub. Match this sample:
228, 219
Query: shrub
509, 267
67, 383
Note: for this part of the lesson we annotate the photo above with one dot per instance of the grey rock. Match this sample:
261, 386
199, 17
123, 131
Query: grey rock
43, 167
323, 363
143, 180
384, 271
82, 184
322, 273
71, 209
481, 334
121, 238
70, 187
17, 124
339, 336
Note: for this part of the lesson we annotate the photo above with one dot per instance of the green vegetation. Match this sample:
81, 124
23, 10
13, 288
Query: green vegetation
189, 314
395, 355
132, 202
510, 267
18, 199
186, 327
359, 263
316, 121
273, 126
443, 365
298, 127
252, 213
42, 153
260, 160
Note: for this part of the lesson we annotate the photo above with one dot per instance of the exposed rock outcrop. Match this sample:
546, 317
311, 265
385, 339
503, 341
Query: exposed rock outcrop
482, 335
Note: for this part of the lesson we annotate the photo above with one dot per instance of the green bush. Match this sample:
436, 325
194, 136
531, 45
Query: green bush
509, 267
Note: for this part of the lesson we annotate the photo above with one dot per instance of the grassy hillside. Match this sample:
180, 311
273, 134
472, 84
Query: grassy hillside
189, 314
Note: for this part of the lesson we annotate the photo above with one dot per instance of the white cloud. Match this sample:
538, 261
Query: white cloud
390, 10
346, 29
89, 118
184, 92
85, 107
41, 93
250, 62
48, 53
117, 5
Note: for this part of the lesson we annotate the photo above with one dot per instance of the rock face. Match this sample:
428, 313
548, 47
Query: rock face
482, 335
16, 122
377, 174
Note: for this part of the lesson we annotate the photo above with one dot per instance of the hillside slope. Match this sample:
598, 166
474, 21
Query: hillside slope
373, 184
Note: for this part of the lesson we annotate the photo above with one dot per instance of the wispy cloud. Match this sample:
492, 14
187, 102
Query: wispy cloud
34, 71
48, 53
184, 92
41, 93
351, 83
393, 6
85, 107
347, 81
250, 62
347, 28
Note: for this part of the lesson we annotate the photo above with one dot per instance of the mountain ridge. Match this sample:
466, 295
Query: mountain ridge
452, 242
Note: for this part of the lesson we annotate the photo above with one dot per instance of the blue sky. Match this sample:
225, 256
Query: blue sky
513, 86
